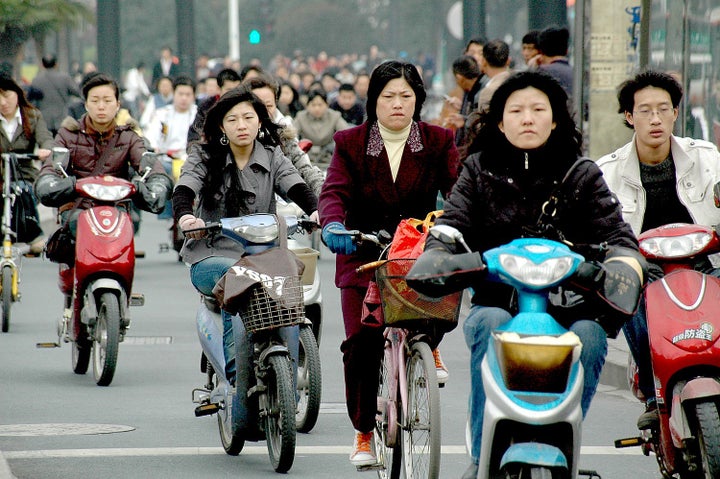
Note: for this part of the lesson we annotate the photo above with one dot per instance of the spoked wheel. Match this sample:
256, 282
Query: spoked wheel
7, 296
421, 428
106, 339
309, 381
708, 434
232, 440
387, 445
280, 417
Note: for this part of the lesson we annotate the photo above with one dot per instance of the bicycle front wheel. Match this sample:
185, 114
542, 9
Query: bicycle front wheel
7, 296
421, 428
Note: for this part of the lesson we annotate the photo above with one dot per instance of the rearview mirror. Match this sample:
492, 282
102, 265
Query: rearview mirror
449, 235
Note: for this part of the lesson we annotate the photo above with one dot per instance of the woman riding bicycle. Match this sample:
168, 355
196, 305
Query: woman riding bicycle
23, 129
389, 168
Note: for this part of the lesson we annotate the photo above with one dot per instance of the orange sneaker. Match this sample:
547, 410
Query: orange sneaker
363, 454
441, 370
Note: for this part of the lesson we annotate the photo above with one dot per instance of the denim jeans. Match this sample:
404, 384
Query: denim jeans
636, 334
204, 275
483, 320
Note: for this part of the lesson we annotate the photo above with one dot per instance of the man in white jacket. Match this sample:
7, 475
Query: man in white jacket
659, 179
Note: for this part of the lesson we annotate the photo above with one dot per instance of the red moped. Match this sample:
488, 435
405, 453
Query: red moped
98, 286
683, 318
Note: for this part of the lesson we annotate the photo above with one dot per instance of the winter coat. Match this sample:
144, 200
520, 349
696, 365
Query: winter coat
697, 168
492, 206
20, 143
359, 191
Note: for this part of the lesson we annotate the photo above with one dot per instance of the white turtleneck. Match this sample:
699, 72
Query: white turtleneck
394, 145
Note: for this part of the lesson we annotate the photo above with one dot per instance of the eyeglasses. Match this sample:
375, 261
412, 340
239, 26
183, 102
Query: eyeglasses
646, 113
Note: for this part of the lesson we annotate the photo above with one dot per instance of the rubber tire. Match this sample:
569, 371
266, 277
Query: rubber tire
423, 410
309, 381
233, 442
7, 299
708, 434
528, 471
280, 429
81, 350
107, 339
389, 456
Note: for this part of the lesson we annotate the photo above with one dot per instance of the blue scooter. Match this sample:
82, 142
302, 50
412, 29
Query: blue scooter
531, 373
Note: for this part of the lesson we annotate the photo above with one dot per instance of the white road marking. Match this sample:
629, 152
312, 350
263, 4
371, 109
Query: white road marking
248, 450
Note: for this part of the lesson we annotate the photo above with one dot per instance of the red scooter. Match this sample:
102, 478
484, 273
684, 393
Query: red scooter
683, 318
98, 286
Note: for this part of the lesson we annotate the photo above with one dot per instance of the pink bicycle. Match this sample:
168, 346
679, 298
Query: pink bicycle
407, 427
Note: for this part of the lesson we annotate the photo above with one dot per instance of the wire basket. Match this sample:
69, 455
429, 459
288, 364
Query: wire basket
404, 307
264, 312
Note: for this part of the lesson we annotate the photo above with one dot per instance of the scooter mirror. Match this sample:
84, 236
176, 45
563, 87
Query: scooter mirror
60, 155
449, 235
716, 194
148, 160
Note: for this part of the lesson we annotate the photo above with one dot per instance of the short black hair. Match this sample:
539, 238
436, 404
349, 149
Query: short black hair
346, 87
183, 81
466, 66
99, 79
316, 92
496, 53
49, 61
479, 40
248, 68
531, 37
553, 41
647, 78
227, 74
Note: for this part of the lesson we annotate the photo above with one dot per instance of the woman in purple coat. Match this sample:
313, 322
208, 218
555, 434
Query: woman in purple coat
389, 168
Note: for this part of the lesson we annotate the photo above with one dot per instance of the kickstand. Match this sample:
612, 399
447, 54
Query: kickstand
589, 474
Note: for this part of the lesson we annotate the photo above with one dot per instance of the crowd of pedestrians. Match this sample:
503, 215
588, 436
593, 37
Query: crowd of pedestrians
511, 119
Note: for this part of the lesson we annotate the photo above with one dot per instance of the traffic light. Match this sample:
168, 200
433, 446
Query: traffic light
254, 37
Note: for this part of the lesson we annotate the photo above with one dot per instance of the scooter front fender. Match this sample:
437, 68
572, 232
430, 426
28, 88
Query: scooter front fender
534, 453
89, 312
700, 388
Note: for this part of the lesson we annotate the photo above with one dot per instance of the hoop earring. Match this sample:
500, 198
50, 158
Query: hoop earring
224, 140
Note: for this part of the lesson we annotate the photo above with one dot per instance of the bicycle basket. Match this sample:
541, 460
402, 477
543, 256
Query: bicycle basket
404, 307
264, 312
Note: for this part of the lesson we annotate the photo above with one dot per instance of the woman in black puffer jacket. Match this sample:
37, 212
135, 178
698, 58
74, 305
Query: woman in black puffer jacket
526, 145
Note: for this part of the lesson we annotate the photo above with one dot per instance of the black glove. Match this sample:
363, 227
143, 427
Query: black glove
153, 193
437, 272
589, 275
55, 191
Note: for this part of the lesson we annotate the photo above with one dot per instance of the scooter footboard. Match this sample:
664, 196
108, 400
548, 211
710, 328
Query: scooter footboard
534, 453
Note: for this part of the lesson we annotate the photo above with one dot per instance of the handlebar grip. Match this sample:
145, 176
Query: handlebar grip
208, 227
370, 266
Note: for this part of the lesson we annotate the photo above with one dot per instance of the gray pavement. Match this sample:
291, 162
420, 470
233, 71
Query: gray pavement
614, 372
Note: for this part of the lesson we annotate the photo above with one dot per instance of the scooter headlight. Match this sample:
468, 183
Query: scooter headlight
676, 246
257, 233
106, 192
542, 274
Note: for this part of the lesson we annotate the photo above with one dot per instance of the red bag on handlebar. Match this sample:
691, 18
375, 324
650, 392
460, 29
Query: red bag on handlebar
410, 236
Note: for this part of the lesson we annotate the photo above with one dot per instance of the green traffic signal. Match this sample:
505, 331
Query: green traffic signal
254, 37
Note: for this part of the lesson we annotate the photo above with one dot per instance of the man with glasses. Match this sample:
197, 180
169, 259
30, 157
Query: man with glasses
659, 178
